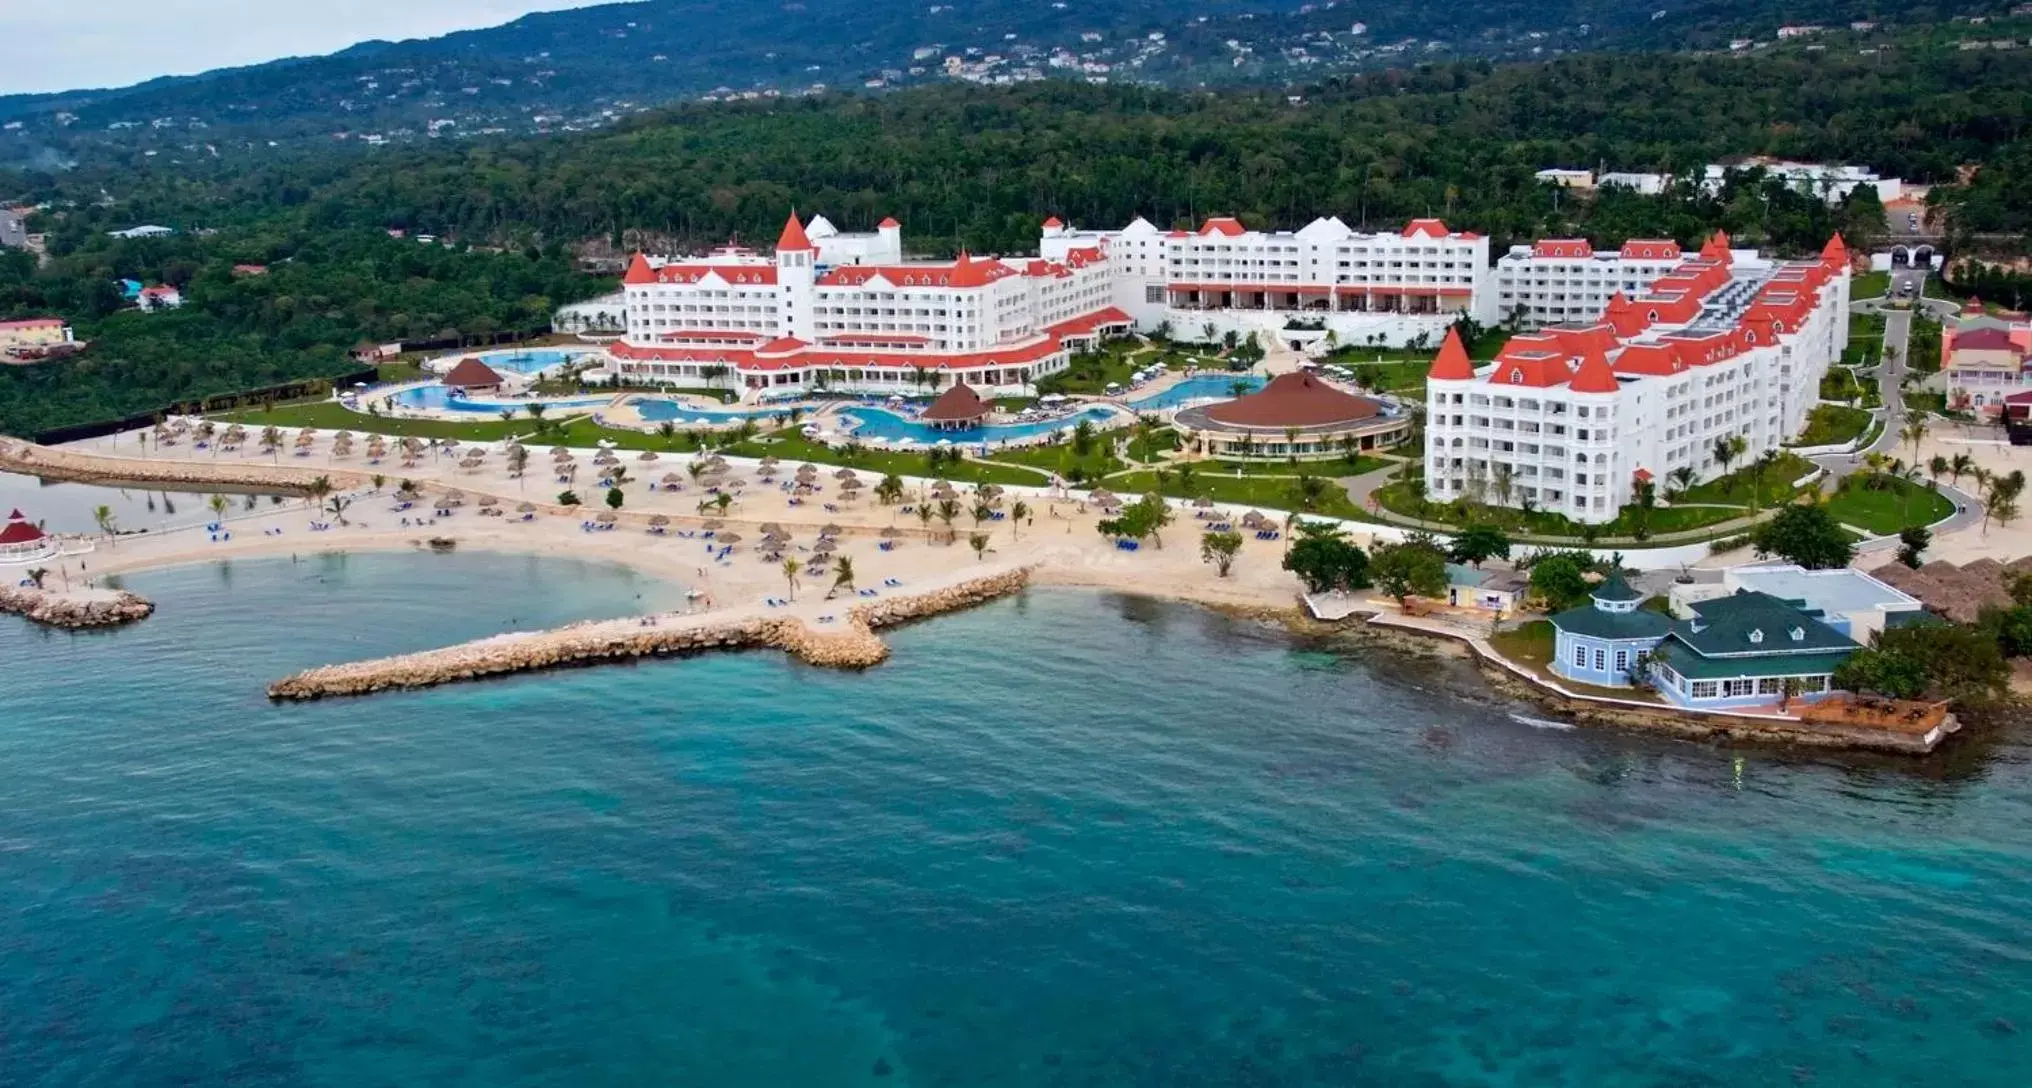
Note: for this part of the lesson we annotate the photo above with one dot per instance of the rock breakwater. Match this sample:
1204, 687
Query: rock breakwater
851, 644
61, 464
74, 611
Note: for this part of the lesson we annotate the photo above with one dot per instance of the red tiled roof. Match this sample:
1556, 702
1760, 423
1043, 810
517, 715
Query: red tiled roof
639, 270
1594, 375
472, 372
1425, 228
1565, 248
740, 275
1053, 223
1225, 225
1294, 400
33, 323
793, 237
1452, 362
19, 530
1655, 360
1651, 249
1986, 339
1087, 323
957, 404
888, 223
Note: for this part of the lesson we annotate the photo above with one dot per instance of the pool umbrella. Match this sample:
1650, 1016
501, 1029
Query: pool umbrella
1251, 519
1103, 495
470, 463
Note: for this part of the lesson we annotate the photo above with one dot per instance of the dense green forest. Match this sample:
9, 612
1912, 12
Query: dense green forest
324, 292
965, 166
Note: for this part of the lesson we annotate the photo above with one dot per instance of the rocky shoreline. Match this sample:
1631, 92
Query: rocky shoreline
60, 464
851, 645
72, 611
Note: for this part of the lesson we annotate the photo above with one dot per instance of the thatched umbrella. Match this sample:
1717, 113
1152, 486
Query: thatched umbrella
305, 439
991, 491
348, 435
730, 538
851, 486
561, 456
412, 444
771, 527
606, 517
445, 504
1203, 503
1102, 495
556, 450
769, 463
830, 530
1252, 519
672, 479
470, 463
891, 532
776, 536
715, 524
648, 455
825, 546
806, 467
658, 521
844, 474
526, 508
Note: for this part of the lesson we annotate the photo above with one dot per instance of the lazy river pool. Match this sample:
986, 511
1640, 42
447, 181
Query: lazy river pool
885, 424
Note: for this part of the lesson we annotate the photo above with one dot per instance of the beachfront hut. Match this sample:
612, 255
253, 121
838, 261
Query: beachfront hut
21, 541
959, 408
473, 376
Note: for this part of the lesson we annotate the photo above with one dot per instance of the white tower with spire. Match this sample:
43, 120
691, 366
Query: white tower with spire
797, 279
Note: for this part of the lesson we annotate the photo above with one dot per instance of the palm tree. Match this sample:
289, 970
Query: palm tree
844, 576
1727, 449
981, 512
889, 489
518, 460
924, 516
1961, 465
1913, 432
790, 569
1291, 445
1764, 463
271, 439
337, 505
948, 509
721, 501
36, 575
1681, 479
218, 504
1936, 467
1018, 510
103, 517
978, 542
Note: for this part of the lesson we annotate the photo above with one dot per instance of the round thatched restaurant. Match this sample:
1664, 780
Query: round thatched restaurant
1295, 415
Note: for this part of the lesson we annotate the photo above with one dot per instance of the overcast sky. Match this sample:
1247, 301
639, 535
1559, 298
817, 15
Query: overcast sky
56, 45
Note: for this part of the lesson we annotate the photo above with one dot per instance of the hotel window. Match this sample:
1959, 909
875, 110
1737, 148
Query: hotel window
1622, 661
1580, 657
1601, 660
1771, 685
1732, 688
1703, 689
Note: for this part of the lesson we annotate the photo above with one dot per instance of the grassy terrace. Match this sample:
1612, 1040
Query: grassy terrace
1059, 457
1249, 492
1866, 339
1829, 424
1870, 285
1894, 506
1735, 489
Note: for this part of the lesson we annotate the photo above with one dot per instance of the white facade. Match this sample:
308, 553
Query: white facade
1831, 182
1571, 418
1566, 279
846, 311
1397, 284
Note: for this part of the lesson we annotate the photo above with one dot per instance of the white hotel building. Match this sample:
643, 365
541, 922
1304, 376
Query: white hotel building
1571, 418
1394, 285
1565, 279
846, 311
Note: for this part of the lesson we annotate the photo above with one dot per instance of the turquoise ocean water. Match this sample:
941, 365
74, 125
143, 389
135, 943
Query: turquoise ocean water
1067, 839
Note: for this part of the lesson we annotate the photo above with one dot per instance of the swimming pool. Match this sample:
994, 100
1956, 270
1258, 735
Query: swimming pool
1198, 387
885, 424
425, 397
530, 361
664, 410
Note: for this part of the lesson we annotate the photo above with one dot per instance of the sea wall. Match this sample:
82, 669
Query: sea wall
74, 611
62, 464
852, 644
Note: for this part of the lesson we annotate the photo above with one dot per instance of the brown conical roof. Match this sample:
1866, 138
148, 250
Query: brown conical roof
957, 403
1294, 400
470, 372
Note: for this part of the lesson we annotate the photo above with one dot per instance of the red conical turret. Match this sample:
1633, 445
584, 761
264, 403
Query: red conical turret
1594, 375
793, 236
639, 270
1836, 253
1452, 362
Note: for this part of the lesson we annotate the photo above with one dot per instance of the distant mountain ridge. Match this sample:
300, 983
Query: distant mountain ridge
586, 67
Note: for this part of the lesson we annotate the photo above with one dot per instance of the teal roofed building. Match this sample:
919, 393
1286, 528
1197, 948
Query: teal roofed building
1603, 641
1743, 649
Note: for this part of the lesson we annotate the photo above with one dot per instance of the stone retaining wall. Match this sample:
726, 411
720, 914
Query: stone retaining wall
853, 645
61, 610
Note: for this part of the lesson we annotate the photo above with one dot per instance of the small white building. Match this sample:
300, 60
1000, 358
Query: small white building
1832, 182
162, 296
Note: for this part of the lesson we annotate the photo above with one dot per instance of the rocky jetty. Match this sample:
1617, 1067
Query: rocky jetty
850, 644
76, 611
61, 464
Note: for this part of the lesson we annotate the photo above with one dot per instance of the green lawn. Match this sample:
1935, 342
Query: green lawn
1398, 498
1829, 424
1527, 644
1091, 372
1841, 383
1339, 466
1239, 494
1870, 285
1898, 504
398, 372
1059, 458
1921, 401
1735, 489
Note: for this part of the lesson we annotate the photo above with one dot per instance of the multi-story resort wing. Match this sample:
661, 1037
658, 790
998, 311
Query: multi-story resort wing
1574, 417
